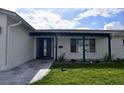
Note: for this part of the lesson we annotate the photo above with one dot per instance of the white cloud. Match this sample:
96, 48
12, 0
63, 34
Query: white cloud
113, 26
82, 28
93, 23
46, 19
104, 12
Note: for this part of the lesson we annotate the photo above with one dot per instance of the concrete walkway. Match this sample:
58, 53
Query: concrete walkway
25, 73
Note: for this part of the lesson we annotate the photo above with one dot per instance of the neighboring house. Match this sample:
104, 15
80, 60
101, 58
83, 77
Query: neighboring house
20, 42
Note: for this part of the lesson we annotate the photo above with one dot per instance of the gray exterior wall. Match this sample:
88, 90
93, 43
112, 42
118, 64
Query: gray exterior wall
101, 48
117, 47
20, 45
3, 25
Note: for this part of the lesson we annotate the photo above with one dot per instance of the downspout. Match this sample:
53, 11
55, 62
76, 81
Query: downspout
7, 38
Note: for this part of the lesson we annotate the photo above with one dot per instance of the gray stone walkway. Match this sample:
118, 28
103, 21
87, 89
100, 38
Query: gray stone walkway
24, 73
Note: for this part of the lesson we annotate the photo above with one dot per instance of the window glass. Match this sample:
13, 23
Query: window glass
92, 45
77, 45
73, 45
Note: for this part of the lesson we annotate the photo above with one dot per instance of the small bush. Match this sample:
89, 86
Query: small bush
73, 60
108, 58
97, 61
61, 59
118, 60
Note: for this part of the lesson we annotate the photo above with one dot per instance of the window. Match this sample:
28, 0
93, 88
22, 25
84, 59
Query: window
73, 45
92, 47
80, 45
76, 45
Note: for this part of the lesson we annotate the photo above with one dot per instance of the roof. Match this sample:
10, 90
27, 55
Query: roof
15, 16
79, 31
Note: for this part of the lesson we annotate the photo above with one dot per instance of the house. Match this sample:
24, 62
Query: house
20, 42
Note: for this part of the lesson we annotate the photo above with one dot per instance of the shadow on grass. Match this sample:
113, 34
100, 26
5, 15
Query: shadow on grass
119, 65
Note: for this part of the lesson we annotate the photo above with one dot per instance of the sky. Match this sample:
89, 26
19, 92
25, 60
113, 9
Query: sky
69, 18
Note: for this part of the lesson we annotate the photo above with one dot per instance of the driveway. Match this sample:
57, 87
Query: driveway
24, 73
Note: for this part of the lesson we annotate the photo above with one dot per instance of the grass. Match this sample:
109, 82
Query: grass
85, 74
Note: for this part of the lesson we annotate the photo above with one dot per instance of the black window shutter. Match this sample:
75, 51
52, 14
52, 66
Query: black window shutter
73, 45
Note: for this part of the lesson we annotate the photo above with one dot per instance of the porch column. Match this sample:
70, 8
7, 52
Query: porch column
56, 47
109, 46
84, 59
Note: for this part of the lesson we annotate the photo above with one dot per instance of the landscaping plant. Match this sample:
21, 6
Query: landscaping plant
61, 59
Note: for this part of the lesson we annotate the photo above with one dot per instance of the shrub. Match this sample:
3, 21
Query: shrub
108, 58
61, 59
118, 60
97, 61
73, 60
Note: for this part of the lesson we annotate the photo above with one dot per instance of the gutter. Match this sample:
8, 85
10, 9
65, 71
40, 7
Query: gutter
15, 24
7, 38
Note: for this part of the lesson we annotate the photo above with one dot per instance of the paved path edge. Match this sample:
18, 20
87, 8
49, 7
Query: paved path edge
40, 74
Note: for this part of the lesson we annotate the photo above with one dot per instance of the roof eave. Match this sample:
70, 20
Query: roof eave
11, 13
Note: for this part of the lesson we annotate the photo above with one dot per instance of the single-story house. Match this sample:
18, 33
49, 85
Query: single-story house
20, 42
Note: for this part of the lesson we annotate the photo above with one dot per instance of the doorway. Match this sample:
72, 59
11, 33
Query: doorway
45, 48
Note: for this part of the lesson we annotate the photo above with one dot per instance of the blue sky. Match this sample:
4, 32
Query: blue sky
80, 18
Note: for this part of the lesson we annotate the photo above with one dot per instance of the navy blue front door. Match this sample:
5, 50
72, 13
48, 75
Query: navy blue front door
44, 48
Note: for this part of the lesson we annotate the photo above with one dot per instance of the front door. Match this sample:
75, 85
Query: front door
44, 48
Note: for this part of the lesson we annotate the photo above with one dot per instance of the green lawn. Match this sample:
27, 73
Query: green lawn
85, 74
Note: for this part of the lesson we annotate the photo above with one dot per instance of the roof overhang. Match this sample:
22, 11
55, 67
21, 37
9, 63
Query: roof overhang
80, 31
16, 17
70, 33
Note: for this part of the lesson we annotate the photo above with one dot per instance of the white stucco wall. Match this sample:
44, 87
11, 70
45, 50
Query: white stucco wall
3, 21
65, 42
101, 48
20, 45
117, 47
